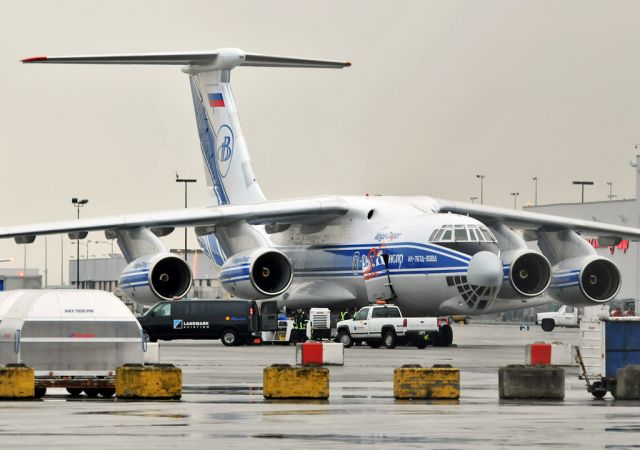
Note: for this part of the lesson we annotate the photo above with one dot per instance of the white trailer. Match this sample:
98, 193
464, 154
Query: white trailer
71, 338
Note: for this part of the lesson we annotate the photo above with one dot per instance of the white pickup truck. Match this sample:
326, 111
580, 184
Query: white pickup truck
383, 324
566, 316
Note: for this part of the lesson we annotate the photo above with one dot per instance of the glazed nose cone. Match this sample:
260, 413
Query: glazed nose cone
485, 269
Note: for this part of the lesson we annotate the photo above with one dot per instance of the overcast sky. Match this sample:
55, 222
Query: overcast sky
438, 92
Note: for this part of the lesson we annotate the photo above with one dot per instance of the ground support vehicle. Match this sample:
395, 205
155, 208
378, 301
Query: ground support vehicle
319, 324
234, 322
567, 316
378, 325
92, 386
607, 345
280, 336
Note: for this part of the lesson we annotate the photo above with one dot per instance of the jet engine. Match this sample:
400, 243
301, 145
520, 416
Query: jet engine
527, 274
585, 281
257, 274
152, 278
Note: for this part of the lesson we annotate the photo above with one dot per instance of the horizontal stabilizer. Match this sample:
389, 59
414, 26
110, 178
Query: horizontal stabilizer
225, 58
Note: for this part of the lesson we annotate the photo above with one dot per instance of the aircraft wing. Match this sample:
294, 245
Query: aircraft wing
536, 221
302, 211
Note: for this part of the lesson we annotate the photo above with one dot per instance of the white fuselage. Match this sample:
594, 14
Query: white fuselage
343, 261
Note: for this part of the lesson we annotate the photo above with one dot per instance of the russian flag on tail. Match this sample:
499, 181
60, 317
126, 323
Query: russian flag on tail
216, 100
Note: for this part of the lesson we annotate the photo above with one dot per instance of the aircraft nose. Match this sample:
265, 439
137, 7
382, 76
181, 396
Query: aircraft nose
485, 269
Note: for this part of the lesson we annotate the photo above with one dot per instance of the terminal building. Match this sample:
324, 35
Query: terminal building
627, 254
20, 279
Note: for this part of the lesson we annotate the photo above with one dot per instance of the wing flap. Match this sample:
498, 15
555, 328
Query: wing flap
314, 210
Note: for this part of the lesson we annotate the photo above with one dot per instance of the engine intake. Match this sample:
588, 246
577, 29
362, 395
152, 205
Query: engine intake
584, 281
600, 280
529, 274
157, 277
257, 274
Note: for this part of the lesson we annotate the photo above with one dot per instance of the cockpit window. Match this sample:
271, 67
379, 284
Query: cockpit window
446, 236
462, 233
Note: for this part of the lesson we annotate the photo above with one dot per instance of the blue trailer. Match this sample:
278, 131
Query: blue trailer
606, 346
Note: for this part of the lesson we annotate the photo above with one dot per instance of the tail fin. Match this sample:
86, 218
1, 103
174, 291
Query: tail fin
225, 152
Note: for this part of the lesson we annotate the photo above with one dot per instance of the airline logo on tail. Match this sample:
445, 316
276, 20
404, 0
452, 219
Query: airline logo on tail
225, 149
216, 100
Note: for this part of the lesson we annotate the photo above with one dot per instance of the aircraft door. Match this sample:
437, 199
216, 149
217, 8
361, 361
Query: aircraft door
377, 277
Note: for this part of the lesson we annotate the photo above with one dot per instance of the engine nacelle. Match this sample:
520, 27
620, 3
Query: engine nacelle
527, 274
585, 281
257, 274
150, 279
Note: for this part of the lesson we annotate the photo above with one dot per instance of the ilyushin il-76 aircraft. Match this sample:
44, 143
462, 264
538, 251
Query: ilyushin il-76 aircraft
426, 255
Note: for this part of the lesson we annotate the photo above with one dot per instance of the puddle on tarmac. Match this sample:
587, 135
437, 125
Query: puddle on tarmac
624, 429
364, 439
136, 413
229, 390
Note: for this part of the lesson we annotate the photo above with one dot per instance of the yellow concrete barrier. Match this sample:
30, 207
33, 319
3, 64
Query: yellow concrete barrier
160, 381
17, 381
417, 382
284, 381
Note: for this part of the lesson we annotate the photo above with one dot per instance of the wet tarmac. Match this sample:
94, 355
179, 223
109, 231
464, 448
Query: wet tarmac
223, 406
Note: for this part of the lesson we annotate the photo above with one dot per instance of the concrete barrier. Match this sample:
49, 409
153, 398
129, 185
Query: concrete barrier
562, 354
538, 354
160, 381
16, 381
545, 353
413, 381
628, 383
281, 381
531, 382
322, 353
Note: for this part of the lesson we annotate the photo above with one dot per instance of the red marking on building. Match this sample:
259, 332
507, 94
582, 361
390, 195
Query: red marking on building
623, 245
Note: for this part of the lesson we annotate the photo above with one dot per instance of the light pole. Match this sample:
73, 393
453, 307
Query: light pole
186, 182
481, 188
46, 267
473, 199
535, 189
61, 260
515, 196
24, 270
78, 204
582, 185
611, 195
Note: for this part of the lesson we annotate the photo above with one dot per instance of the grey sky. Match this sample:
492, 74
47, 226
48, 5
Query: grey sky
438, 92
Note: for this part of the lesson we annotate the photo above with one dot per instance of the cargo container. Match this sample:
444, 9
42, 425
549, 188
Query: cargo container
72, 338
607, 345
